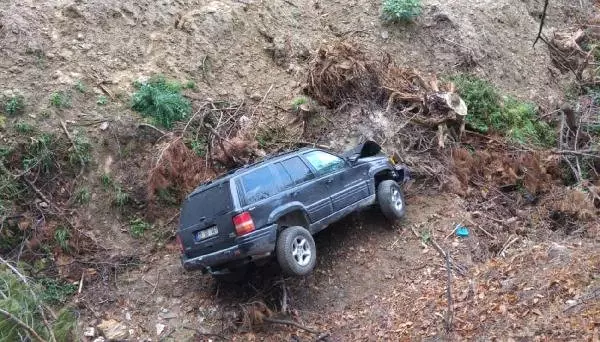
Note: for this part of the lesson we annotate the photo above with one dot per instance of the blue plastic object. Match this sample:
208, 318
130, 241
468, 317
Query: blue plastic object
462, 231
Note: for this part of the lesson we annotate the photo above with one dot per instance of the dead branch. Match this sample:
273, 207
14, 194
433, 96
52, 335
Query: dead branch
301, 142
81, 161
539, 35
222, 146
450, 312
291, 323
22, 324
152, 127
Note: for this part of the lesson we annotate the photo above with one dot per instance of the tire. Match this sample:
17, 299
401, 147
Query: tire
296, 251
391, 200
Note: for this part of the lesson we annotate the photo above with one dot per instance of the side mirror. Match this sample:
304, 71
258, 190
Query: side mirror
353, 158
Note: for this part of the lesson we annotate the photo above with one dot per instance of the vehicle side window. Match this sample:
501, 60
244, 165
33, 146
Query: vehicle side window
324, 162
258, 184
284, 176
297, 169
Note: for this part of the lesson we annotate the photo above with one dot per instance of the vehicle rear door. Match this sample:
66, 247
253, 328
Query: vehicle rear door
308, 191
343, 182
261, 192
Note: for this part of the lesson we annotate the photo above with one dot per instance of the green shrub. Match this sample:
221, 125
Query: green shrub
299, 101
190, 85
60, 99
121, 197
14, 104
401, 10
489, 111
82, 196
162, 101
23, 127
106, 180
24, 301
137, 227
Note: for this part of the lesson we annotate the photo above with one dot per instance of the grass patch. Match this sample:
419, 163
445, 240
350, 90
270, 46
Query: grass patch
61, 237
106, 180
41, 152
137, 227
102, 100
23, 127
60, 99
55, 291
190, 85
198, 145
80, 87
14, 104
82, 196
82, 151
299, 101
121, 197
162, 101
489, 111
401, 10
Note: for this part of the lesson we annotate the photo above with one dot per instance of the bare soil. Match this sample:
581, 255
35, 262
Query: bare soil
519, 276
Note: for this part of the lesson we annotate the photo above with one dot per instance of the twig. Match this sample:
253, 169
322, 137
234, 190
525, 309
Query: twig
80, 283
586, 153
23, 325
262, 100
539, 35
415, 231
81, 161
509, 242
483, 230
292, 323
157, 281
153, 127
284, 297
450, 312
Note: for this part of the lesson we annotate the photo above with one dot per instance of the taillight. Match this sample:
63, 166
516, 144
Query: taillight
179, 243
243, 223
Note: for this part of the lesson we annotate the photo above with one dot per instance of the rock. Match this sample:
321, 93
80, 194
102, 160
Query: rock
72, 11
99, 339
168, 315
89, 332
558, 252
80, 36
113, 330
159, 328
128, 316
43, 205
104, 126
385, 34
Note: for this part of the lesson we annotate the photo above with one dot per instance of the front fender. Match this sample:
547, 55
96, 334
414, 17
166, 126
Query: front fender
286, 209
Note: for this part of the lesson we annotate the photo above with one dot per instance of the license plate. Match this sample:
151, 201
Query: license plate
206, 233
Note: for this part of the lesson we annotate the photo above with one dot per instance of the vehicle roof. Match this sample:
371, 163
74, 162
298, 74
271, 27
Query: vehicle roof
247, 168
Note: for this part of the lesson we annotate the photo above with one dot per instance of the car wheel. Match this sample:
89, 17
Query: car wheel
296, 251
233, 275
390, 199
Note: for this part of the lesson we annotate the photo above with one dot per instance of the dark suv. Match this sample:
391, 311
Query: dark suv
276, 205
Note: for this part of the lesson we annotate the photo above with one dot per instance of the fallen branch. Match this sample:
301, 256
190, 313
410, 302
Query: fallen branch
152, 127
508, 243
292, 323
301, 142
22, 324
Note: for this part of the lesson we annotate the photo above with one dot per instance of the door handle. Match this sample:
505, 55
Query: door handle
329, 180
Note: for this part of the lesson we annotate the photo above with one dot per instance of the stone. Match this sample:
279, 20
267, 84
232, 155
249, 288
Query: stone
104, 126
385, 34
160, 328
89, 332
558, 252
99, 339
113, 330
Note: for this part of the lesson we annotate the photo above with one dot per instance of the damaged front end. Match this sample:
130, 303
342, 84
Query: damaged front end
370, 151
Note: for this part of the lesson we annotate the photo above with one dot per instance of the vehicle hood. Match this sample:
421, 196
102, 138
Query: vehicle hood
365, 150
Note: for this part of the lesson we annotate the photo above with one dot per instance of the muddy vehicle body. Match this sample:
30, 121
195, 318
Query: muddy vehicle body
273, 207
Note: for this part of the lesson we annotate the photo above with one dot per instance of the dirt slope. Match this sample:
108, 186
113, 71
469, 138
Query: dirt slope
372, 282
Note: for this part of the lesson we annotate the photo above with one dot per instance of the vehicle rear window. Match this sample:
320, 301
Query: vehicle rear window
209, 203
258, 184
297, 169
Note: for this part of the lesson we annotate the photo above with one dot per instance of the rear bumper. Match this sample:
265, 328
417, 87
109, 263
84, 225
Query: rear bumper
256, 244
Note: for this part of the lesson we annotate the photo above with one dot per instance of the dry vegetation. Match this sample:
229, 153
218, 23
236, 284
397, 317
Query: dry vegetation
91, 178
